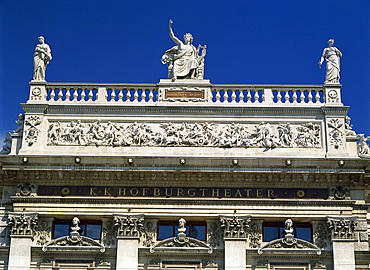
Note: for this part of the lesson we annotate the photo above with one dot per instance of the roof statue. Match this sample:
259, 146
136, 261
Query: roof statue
183, 60
41, 59
332, 56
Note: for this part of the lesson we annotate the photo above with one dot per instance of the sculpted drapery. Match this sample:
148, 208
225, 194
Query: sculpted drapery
41, 59
332, 56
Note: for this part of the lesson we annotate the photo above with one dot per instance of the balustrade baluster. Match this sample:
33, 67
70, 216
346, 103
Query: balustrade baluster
249, 96
90, 95
68, 95
120, 95
83, 95
317, 96
218, 96
113, 95
60, 95
278, 96
52, 95
294, 95
136, 95
309, 97
256, 96
151, 95
128, 95
233, 95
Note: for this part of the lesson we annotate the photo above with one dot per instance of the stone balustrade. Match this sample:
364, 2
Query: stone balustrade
224, 95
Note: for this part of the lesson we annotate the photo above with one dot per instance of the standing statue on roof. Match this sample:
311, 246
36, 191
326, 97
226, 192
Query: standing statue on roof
183, 60
332, 56
41, 59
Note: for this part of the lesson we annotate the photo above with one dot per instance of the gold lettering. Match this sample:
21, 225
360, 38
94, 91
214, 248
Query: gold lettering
134, 194
215, 194
238, 193
248, 190
157, 192
106, 192
203, 190
180, 191
191, 192
259, 193
227, 192
270, 193
145, 191
168, 195
120, 192
92, 192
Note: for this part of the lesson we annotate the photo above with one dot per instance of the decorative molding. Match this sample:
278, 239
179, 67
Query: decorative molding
255, 236
339, 192
129, 225
235, 226
182, 241
26, 189
289, 243
214, 235
109, 234
74, 241
23, 223
32, 131
321, 236
42, 233
264, 135
342, 228
336, 135
149, 234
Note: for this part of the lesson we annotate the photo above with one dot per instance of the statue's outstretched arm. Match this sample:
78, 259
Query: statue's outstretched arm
322, 59
172, 35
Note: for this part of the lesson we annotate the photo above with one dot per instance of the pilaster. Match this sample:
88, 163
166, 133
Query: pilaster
235, 230
22, 230
342, 237
129, 230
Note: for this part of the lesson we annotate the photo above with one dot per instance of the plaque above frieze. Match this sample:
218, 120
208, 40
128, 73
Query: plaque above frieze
184, 94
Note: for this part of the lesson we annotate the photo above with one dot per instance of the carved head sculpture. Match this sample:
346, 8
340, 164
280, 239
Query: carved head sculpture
75, 221
182, 223
288, 224
41, 39
330, 42
188, 38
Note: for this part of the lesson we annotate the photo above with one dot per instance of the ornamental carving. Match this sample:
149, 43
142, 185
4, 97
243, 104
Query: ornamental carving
255, 236
109, 234
32, 131
73, 241
235, 226
339, 192
42, 233
185, 134
26, 189
7, 147
362, 146
149, 234
321, 236
342, 227
23, 224
129, 225
289, 242
214, 235
336, 135
182, 241
348, 126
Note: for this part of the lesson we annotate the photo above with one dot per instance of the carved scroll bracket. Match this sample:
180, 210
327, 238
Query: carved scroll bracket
22, 224
235, 226
129, 225
342, 228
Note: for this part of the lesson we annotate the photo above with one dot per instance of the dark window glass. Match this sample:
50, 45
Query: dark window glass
270, 233
61, 230
93, 231
198, 232
165, 231
88, 228
303, 233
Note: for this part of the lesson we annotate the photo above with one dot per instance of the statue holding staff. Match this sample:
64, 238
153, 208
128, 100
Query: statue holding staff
183, 60
41, 59
332, 56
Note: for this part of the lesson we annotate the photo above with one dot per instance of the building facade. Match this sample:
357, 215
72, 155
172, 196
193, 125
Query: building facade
184, 174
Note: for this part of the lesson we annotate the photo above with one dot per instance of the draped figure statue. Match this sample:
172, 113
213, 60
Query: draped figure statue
332, 56
41, 59
183, 60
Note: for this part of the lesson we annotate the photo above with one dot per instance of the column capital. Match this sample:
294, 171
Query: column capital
22, 224
341, 227
129, 225
235, 226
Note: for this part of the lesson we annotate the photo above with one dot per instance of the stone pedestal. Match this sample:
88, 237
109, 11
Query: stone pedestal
127, 253
235, 254
343, 255
20, 252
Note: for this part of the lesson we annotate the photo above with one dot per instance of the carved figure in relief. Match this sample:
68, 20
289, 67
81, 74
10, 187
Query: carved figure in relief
183, 60
20, 123
285, 135
332, 56
41, 59
308, 135
362, 146
7, 147
348, 127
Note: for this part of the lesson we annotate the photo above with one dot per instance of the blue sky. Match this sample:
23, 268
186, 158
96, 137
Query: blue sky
250, 41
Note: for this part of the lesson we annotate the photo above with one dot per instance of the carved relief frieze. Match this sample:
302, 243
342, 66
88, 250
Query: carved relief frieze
149, 234
184, 134
320, 236
336, 135
339, 192
235, 226
26, 189
129, 225
342, 227
32, 131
